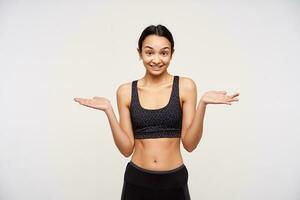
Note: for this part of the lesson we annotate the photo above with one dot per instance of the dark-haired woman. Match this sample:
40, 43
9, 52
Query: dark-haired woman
157, 112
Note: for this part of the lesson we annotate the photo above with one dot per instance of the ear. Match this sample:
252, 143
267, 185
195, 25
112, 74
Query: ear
140, 54
172, 53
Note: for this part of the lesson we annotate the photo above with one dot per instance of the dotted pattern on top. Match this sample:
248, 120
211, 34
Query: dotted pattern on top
156, 123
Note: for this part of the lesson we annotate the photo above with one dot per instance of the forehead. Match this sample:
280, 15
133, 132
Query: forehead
156, 42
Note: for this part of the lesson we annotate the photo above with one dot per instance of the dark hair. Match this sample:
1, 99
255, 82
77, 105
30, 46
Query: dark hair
159, 30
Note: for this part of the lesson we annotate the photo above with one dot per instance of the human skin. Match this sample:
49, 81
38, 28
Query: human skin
154, 90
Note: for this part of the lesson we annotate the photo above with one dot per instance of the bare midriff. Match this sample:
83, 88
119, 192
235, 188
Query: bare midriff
157, 154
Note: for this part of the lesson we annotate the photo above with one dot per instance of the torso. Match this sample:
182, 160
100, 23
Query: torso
157, 154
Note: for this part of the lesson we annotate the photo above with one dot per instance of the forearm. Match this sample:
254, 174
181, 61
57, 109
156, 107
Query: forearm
194, 131
121, 139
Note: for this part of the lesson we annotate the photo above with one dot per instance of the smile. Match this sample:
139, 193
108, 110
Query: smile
156, 67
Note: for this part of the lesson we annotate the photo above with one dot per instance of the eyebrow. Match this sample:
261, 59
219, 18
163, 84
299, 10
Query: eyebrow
152, 48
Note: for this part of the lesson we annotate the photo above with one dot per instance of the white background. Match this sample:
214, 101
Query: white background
52, 148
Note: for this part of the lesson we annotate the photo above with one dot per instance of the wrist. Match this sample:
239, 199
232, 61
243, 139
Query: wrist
202, 103
109, 109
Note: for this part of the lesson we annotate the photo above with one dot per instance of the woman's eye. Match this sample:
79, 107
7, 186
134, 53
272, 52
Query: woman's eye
165, 53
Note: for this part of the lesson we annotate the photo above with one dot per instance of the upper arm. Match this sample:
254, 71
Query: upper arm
123, 100
188, 90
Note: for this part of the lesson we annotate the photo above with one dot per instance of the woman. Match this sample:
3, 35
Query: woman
156, 113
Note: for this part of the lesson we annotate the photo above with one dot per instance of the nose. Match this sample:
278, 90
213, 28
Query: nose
156, 59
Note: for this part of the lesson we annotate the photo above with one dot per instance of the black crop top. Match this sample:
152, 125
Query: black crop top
156, 123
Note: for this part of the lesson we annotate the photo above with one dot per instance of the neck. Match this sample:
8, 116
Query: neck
150, 80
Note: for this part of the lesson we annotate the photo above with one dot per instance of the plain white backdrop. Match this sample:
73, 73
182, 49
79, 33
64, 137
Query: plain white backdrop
52, 148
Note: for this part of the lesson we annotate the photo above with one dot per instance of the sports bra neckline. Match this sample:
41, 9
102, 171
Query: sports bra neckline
156, 109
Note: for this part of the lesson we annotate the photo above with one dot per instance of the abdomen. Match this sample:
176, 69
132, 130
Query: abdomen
157, 154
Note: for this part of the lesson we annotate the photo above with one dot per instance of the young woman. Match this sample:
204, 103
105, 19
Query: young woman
156, 113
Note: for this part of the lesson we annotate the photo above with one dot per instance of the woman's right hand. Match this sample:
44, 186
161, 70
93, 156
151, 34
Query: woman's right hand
100, 103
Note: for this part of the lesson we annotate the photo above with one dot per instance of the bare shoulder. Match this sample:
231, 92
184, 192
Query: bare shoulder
124, 93
187, 84
187, 88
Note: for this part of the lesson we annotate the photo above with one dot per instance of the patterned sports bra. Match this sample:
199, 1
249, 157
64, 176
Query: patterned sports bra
156, 123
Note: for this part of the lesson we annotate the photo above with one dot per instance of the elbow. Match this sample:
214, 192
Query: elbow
189, 149
187, 146
191, 146
128, 152
126, 155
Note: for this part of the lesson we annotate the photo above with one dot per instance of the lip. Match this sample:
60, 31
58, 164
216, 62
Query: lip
156, 68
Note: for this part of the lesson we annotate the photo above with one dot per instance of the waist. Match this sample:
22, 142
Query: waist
157, 154
161, 179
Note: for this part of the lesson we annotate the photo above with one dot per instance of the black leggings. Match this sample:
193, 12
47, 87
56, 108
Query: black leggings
144, 184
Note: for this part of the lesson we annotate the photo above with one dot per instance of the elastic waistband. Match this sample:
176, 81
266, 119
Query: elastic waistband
173, 178
156, 172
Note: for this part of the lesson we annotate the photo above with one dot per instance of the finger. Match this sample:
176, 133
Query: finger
77, 99
234, 99
234, 95
225, 102
87, 101
228, 103
81, 100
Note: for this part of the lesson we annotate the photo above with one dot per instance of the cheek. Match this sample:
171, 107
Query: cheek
147, 59
166, 60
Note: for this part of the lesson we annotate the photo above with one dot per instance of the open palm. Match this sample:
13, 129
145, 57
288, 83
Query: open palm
100, 103
219, 97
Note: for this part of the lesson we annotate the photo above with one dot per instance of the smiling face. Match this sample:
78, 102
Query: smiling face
156, 54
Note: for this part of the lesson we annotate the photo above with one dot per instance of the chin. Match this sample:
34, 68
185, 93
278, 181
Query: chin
157, 72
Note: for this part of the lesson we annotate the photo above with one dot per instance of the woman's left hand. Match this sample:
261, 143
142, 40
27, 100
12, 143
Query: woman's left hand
218, 97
